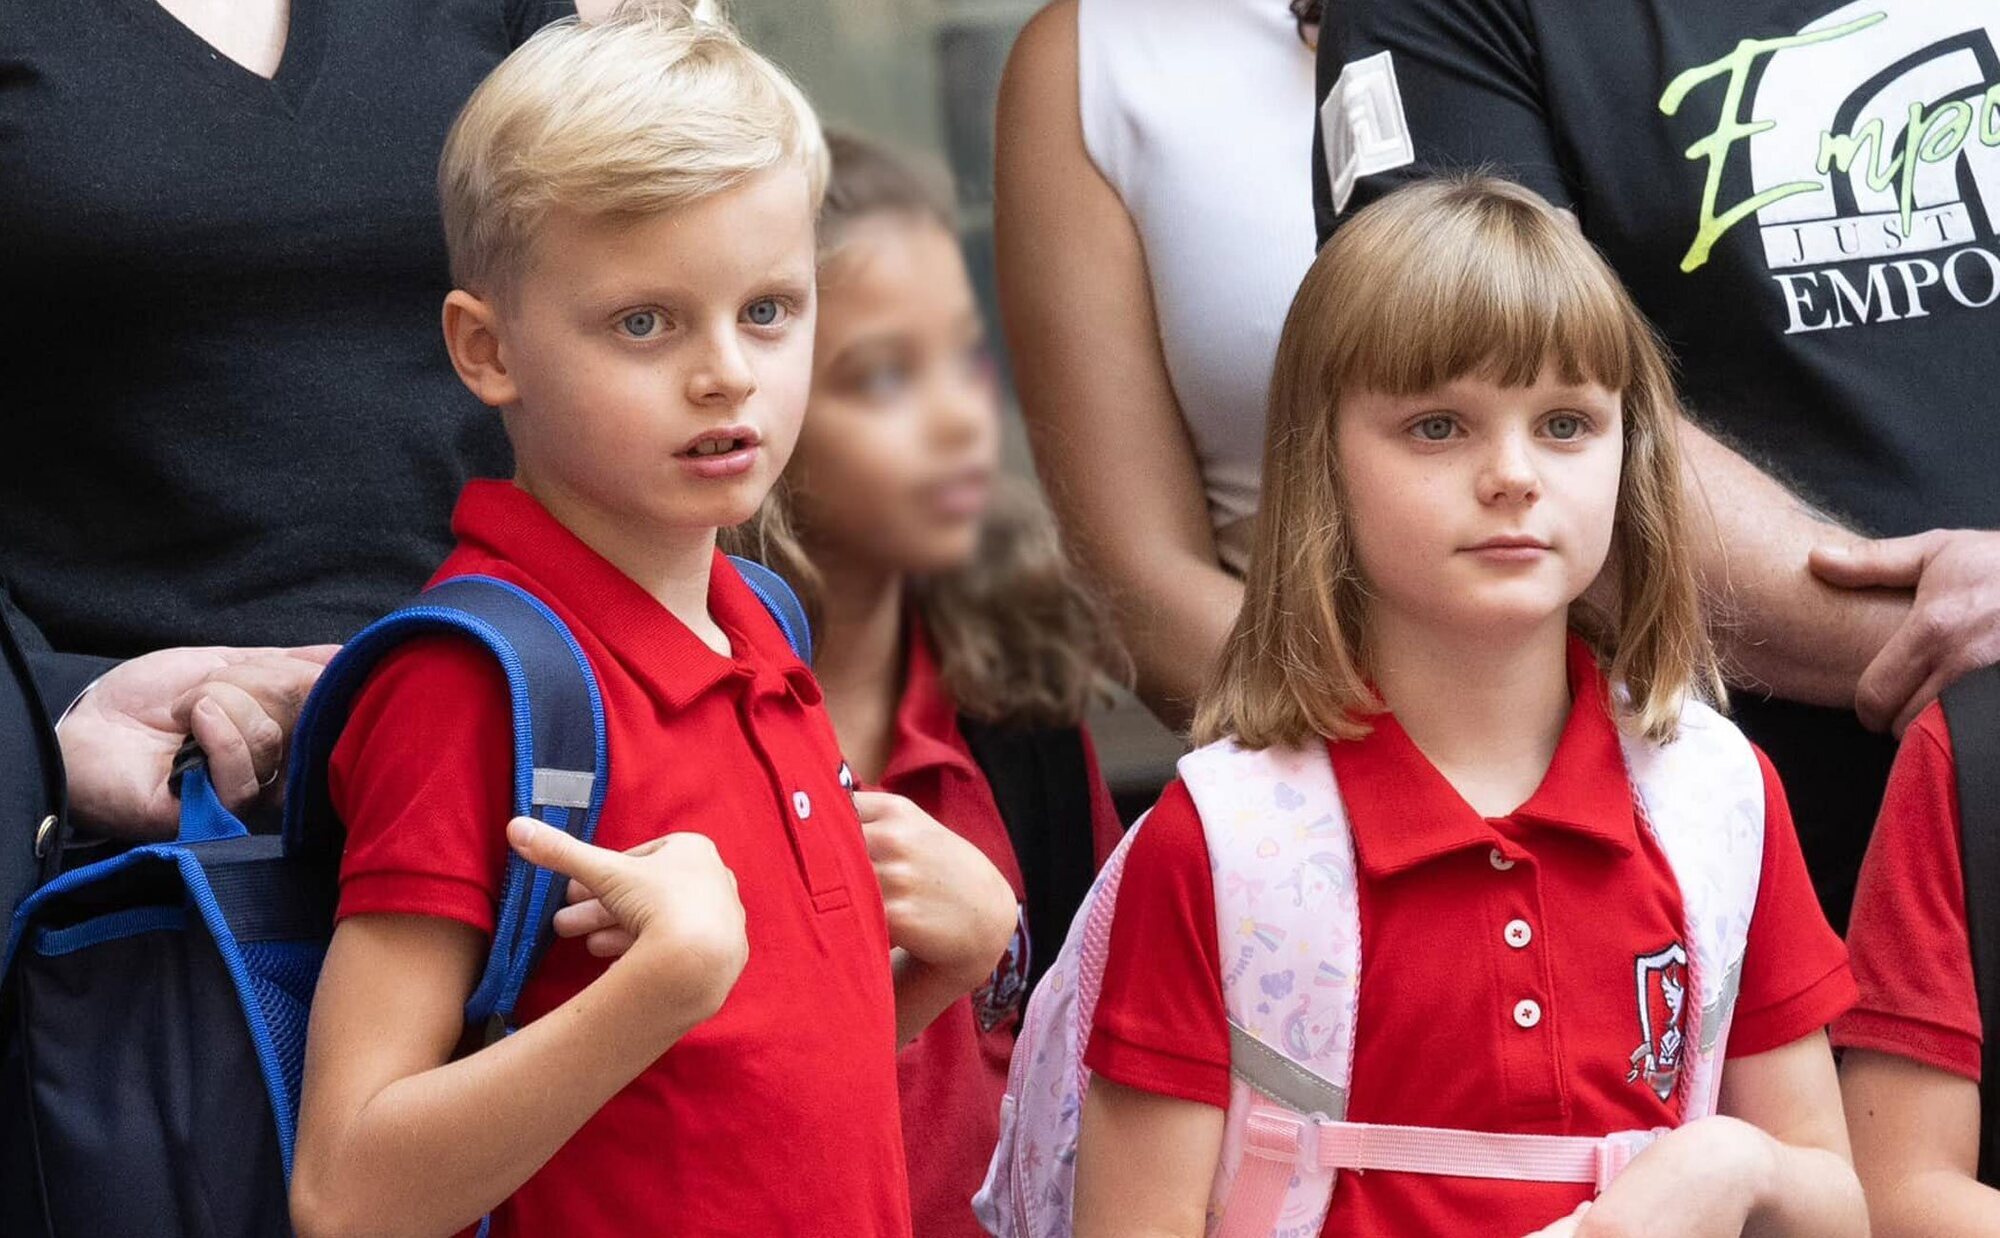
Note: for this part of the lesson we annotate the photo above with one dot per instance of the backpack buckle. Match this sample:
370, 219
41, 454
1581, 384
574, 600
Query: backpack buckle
1276, 1135
1618, 1149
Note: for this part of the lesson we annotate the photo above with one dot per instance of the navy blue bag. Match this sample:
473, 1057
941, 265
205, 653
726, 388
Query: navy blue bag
155, 1002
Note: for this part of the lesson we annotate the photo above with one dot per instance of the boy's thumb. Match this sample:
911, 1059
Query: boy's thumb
545, 846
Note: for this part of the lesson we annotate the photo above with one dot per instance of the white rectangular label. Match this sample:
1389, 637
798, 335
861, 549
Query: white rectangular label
1363, 125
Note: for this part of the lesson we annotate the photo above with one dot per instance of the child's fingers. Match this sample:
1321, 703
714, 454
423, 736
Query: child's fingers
547, 847
875, 806
584, 918
608, 943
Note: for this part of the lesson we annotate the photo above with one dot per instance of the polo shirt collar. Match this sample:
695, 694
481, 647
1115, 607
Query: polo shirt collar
507, 522
1403, 812
926, 727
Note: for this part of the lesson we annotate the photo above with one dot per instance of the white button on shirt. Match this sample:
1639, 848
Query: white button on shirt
1499, 862
802, 804
1527, 1012
1518, 934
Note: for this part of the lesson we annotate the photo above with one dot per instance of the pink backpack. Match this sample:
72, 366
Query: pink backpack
1289, 923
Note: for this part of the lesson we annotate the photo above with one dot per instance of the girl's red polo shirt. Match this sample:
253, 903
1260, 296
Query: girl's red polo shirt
778, 1115
1912, 951
1498, 992
954, 1073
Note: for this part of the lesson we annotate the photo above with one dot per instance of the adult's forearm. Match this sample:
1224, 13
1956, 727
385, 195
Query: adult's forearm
1778, 628
1174, 627
432, 1153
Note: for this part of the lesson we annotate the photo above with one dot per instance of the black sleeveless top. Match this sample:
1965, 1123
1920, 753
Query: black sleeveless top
226, 407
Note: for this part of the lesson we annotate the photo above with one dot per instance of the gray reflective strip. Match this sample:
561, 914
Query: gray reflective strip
563, 788
1711, 1014
1282, 1079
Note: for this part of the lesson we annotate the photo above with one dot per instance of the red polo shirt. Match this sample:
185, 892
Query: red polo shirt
954, 1073
778, 1115
1469, 918
1912, 952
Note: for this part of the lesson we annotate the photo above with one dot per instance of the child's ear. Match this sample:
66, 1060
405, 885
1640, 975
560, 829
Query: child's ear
472, 337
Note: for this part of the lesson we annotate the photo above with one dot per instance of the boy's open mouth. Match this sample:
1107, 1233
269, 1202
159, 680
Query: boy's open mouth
720, 442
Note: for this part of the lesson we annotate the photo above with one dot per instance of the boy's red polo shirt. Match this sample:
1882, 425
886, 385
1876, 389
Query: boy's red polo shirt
778, 1115
1912, 952
954, 1073
1465, 921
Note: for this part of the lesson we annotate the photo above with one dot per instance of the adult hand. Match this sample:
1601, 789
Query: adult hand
1954, 620
120, 739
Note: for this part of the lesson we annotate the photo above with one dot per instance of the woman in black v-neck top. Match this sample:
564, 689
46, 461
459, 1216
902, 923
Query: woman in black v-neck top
227, 412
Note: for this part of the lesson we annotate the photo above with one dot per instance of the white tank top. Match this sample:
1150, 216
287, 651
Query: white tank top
1200, 115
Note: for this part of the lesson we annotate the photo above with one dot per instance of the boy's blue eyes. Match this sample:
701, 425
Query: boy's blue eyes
1435, 429
640, 324
645, 324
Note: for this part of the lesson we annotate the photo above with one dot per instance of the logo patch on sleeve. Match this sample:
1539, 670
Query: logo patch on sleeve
1363, 125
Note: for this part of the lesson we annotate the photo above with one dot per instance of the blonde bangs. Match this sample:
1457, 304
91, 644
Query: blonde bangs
1485, 284
1440, 281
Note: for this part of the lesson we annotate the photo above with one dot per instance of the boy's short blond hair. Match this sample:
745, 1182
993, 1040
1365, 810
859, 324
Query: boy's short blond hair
659, 105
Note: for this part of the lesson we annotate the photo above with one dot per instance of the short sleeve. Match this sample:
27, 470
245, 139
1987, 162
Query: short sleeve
1795, 974
1466, 78
420, 778
1106, 827
1160, 1024
1912, 955
525, 17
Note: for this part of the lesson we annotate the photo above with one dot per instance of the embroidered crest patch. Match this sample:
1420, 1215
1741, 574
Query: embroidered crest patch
1662, 978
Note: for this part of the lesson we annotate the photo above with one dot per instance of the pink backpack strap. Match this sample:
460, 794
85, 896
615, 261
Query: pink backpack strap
1289, 928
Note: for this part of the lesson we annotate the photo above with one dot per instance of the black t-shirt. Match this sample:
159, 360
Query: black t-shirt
1834, 307
227, 409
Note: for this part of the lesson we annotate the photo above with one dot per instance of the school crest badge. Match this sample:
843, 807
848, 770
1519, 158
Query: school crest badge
1662, 988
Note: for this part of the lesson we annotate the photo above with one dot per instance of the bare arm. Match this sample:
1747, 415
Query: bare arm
396, 1138
1792, 1095
1778, 627
1107, 432
1916, 1147
1144, 1163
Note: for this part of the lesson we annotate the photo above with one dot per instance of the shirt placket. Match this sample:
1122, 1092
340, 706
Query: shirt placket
1525, 1015
807, 817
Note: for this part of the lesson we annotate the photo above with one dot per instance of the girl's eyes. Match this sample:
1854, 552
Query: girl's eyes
883, 382
1566, 427
642, 324
1436, 428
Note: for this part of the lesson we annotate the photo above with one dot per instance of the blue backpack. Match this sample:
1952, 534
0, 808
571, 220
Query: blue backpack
155, 1002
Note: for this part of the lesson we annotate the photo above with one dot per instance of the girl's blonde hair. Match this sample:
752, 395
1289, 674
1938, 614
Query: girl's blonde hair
656, 106
1437, 281
1020, 640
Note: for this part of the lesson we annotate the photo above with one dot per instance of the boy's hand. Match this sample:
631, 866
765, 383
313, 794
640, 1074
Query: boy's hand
948, 906
1700, 1181
672, 903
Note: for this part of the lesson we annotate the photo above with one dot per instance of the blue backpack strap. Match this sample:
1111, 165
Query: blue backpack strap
561, 761
784, 605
